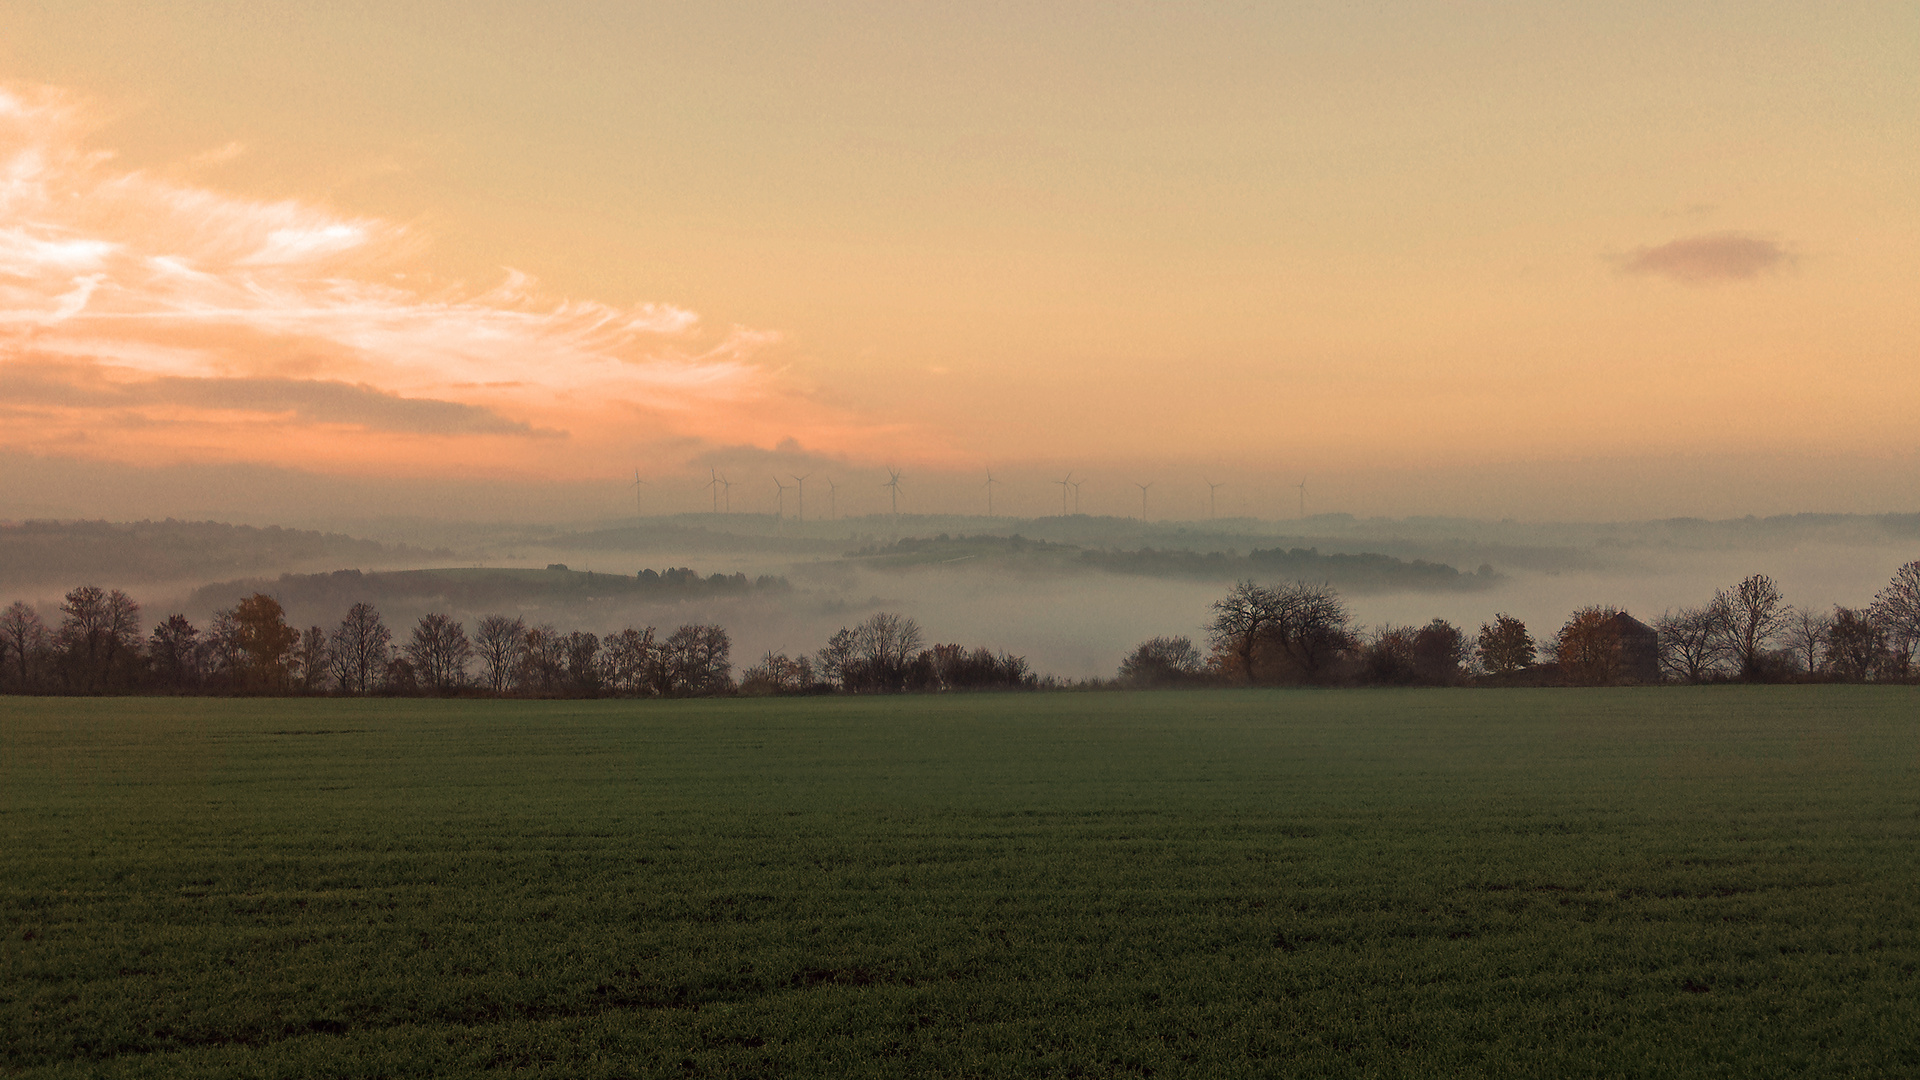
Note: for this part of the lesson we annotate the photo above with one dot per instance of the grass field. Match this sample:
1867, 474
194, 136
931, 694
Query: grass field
1712, 882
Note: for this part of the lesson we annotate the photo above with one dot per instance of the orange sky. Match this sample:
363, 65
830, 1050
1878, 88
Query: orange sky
558, 243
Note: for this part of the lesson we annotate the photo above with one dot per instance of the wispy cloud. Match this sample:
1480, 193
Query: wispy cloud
286, 331
1711, 257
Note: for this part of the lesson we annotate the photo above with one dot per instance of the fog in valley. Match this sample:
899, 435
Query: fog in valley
1070, 593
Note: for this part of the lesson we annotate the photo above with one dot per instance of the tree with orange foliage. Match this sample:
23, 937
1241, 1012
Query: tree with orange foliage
1588, 648
264, 639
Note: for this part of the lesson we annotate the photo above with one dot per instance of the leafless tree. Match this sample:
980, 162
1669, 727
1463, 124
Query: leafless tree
361, 649
312, 660
885, 645
1690, 645
1751, 615
582, 652
697, 660
502, 644
1504, 645
837, 660
439, 652
26, 638
1896, 608
543, 662
1241, 620
1806, 638
630, 657
100, 629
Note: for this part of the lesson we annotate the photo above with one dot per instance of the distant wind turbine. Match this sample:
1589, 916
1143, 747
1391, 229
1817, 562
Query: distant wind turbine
1076, 493
800, 499
833, 491
1143, 498
1213, 510
638, 510
714, 484
893, 482
1064, 483
781, 509
1303, 497
989, 486
726, 486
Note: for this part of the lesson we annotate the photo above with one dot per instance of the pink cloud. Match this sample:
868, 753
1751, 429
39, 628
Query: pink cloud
149, 284
1712, 257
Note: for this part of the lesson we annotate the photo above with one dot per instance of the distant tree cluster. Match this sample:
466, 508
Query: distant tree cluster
1302, 634
887, 654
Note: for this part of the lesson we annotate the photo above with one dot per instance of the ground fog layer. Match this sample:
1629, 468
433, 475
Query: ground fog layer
1675, 882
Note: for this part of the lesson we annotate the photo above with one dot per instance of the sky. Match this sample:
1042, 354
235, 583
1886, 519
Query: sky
1541, 261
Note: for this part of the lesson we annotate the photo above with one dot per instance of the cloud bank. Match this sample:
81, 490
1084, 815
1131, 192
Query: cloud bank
144, 319
1713, 257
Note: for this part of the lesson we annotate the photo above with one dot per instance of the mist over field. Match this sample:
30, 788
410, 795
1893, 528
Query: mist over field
1071, 594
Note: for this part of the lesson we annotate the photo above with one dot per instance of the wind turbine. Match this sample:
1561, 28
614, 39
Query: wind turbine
715, 485
1213, 510
800, 499
833, 490
638, 510
989, 486
1143, 498
1303, 498
781, 510
893, 482
1076, 493
726, 485
1064, 483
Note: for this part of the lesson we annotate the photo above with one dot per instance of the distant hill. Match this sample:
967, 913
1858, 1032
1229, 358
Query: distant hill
1359, 572
115, 553
478, 589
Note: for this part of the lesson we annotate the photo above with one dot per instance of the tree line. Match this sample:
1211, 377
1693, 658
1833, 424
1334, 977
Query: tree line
1298, 633
99, 646
1304, 634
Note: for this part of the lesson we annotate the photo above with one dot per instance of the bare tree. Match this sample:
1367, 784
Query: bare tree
582, 652
1504, 645
312, 660
100, 628
1241, 620
26, 638
630, 657
1751, 616
439, 652
1806, 638
697, 660
1690, 645
1897, 609
885, 646
543, 662
838, 659
361, 647
502, 644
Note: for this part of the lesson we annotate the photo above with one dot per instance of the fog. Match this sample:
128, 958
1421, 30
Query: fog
1049, 600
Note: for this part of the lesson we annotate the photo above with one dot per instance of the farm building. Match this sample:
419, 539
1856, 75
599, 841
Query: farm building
1639, 649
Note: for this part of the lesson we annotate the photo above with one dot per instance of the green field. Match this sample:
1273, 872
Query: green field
1706, 882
